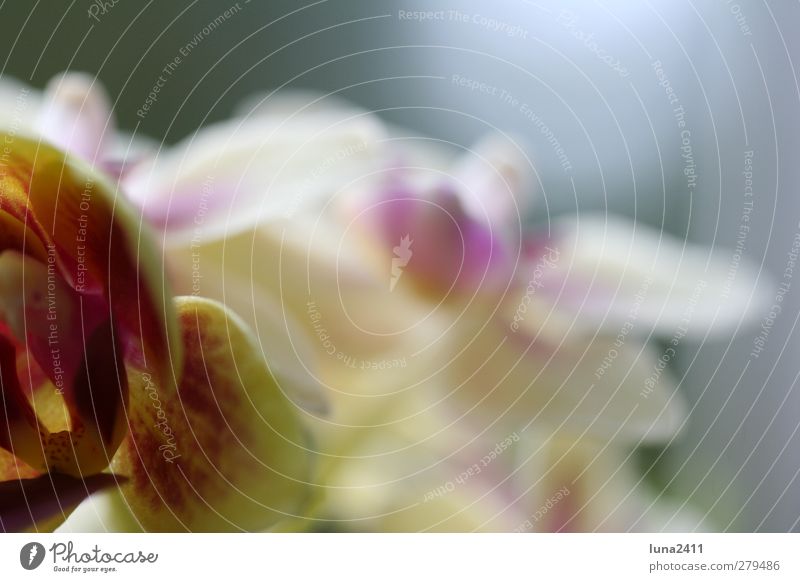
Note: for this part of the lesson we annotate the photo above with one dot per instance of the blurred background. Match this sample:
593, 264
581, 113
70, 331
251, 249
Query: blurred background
655, 110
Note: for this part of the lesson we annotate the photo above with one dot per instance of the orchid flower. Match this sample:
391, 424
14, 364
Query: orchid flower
411, 287
543, 333
108, 381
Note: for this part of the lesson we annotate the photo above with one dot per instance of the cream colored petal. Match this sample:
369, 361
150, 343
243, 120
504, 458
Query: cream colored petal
20, 106
587, 386
77, 116
496, 181
324, 283
228, 177
587, 486
610, 271
400, 462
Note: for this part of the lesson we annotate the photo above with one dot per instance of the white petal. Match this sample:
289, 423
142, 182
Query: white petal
296, 102
230, 176
611, 271
496, 181
77, 115
19, 107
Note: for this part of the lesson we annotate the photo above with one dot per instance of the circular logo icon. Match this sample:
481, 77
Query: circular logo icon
31, 555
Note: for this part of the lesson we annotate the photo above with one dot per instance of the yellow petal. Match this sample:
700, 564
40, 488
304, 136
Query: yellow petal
225, 451
64, 230
49, 200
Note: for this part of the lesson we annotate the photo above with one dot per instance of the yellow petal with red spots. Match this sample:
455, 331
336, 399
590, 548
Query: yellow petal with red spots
82, 300
49, 200
225, 450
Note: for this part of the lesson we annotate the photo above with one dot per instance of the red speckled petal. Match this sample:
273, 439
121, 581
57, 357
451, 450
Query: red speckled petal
65, 230
19, 430
51, 201
69, 338
225, 451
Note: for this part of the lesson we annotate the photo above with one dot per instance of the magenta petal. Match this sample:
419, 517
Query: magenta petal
437, 244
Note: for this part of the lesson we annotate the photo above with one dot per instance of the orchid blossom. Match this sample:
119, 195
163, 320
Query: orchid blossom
108, 381
407, 282
439, 322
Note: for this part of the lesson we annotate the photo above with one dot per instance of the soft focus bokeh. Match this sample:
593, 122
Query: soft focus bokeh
683, 117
